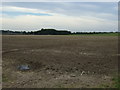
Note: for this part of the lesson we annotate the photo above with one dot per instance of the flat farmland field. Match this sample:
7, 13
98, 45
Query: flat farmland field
59, 61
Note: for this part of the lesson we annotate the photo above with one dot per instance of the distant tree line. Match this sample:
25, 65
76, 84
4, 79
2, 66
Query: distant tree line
47, 32
39, 32
93, 32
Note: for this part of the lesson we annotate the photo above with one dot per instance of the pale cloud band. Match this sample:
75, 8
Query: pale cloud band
60, 0
70, 16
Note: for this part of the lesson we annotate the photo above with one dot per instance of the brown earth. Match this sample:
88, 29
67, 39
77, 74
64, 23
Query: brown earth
59, 61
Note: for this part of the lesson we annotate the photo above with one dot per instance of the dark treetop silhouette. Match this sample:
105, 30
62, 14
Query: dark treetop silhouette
48, 32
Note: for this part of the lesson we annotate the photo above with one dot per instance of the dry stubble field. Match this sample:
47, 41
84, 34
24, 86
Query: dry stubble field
59, 61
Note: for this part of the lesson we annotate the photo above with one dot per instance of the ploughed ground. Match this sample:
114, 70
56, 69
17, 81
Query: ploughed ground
59, 61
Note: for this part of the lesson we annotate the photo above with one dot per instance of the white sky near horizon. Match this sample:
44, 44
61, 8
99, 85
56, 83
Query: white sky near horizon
73, 16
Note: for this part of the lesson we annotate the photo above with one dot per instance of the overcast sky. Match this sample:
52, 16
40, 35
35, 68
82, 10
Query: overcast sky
73, 16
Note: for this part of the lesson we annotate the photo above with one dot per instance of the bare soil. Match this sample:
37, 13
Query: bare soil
59, 61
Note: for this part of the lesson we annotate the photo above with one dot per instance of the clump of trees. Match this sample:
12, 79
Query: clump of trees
51, 32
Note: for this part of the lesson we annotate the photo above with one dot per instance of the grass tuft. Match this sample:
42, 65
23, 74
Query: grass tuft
116, 81
4, 78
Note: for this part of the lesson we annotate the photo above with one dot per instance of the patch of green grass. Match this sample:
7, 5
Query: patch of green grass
104, 86
4, 78
116, 81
